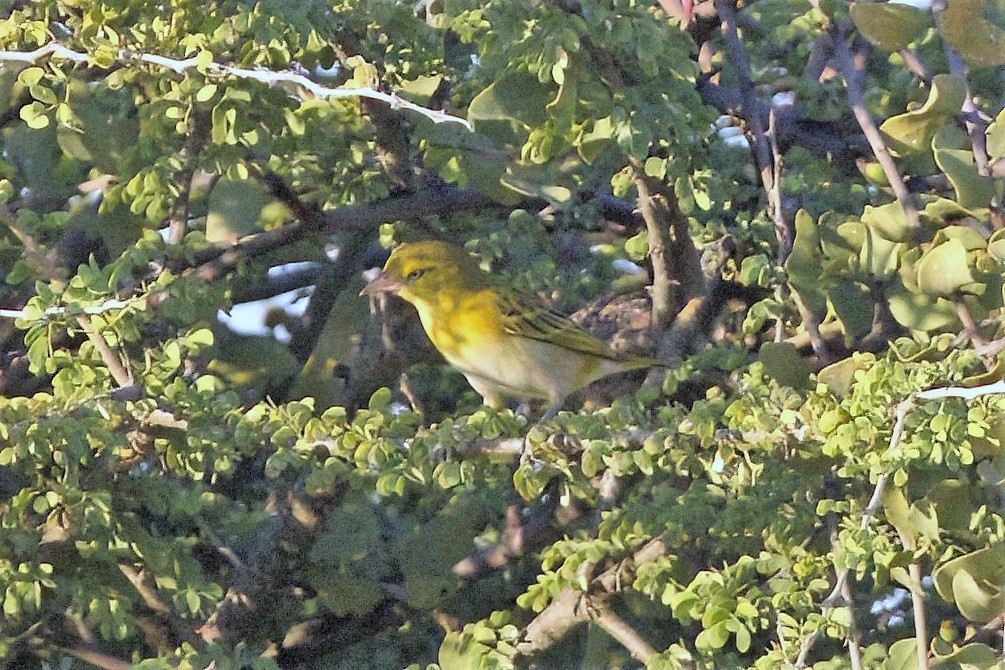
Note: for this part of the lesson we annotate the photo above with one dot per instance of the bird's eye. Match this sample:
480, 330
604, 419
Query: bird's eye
415, 274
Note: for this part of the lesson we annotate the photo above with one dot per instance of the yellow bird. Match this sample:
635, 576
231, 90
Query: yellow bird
507, 345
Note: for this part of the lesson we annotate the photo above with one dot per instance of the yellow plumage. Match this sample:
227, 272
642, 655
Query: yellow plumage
507, 345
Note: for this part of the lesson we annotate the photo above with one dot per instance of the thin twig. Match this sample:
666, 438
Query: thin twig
566, 611
264, 76
405, 384
836, 597
106, 306
837, 594
220, 545
433, 201
783, 231
197, 134
96, 658
769, 169
855, 639
915, 65
850, 69
738, 56
605, 617
149, 595
961, 392
918, 606
811, 322
969, 325
976, 129
114, 364
976, 123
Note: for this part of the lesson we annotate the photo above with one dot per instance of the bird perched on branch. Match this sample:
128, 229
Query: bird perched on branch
507, 344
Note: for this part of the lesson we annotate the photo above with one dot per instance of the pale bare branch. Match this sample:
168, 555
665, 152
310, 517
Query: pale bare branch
269, 77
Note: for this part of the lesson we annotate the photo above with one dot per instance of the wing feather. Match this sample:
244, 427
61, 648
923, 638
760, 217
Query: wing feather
526, 317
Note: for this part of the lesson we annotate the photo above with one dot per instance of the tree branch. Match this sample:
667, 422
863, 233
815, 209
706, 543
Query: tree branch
433, 201
96, 658
767, 168
823, 137
150, 597
115, 366
390, 137
567, 610
268, 77
918, 606
518, 537
665, 298
277, 285
605, 617
836, 596
850, 69
855, 640
197, 135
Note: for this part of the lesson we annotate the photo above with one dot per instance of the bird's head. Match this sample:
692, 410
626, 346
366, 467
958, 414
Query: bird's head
425, 271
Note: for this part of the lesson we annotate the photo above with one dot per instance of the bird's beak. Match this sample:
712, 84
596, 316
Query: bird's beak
382, 284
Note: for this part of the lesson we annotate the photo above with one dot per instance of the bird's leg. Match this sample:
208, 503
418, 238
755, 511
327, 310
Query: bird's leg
555, 402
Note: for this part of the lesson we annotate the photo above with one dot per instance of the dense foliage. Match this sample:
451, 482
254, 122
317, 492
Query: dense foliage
812, 192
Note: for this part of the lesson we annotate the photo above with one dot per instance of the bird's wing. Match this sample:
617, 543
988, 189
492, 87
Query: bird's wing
524, 316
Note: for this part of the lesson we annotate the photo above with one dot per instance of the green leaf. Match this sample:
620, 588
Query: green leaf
891, 26
996, 137
917, 311
803, 265
783, 362
980, 42
537, 181
712, 638
30, 76
8, 455
903, 655
840, 376
850, 301
898, 513
976, 598
192, 600
889, 222
420, 89
912, 132
206, 93
974, 582
974, 655
201, 337
943, 270
34, 115
878, 256
973, 190
380, 400
591, 144
517, 97
43, 94
203, 61
235, 206
655, 167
